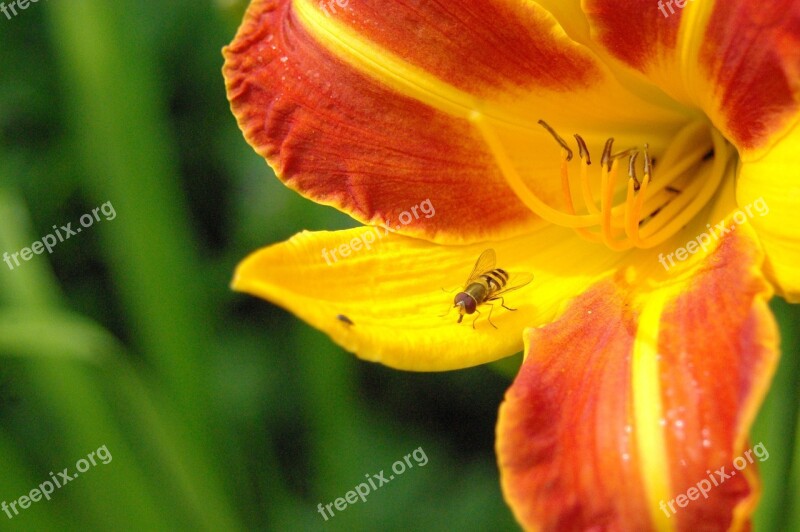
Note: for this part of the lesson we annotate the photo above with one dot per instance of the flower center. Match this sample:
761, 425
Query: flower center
640, 213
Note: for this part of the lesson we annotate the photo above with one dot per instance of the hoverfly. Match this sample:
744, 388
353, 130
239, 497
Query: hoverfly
486, 284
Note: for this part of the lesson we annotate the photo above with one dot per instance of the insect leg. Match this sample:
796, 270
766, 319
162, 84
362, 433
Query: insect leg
503, 304
478, 312
489, 317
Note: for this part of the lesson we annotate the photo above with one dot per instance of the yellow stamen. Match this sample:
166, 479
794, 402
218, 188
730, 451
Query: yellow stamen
609, 180
680, 214
586, 188
651, 212
518, 186
565, 188
633, 215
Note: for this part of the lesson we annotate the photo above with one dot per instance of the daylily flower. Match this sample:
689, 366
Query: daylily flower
648, 341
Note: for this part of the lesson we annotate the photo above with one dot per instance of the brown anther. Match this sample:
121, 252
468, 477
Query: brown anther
582, 149
606, 159
648, 167
561, 142
632, 170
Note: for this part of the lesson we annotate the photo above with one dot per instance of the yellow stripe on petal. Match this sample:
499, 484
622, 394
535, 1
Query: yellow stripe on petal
645, 375
400, 75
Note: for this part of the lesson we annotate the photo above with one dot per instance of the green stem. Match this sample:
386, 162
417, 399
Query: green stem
778, 413
113, 92
110, 77
31, 283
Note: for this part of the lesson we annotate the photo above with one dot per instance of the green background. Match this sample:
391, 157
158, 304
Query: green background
221, 411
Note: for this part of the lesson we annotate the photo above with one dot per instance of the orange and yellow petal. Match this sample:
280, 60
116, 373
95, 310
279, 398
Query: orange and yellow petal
389, 298
633, 398
636, 32
738, 61
751, 54
371, 107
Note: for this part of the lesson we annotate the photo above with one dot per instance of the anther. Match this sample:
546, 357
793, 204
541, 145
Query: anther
582, 149
632, 170
561, 142
648, 168
606, 159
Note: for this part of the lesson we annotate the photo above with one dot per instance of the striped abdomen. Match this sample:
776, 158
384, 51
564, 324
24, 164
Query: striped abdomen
495, 280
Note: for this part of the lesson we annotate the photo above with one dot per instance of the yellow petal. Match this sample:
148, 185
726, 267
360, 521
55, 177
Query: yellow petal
390, 297
773, 183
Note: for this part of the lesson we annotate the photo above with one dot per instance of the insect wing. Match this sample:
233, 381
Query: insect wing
515, 280
484, 264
